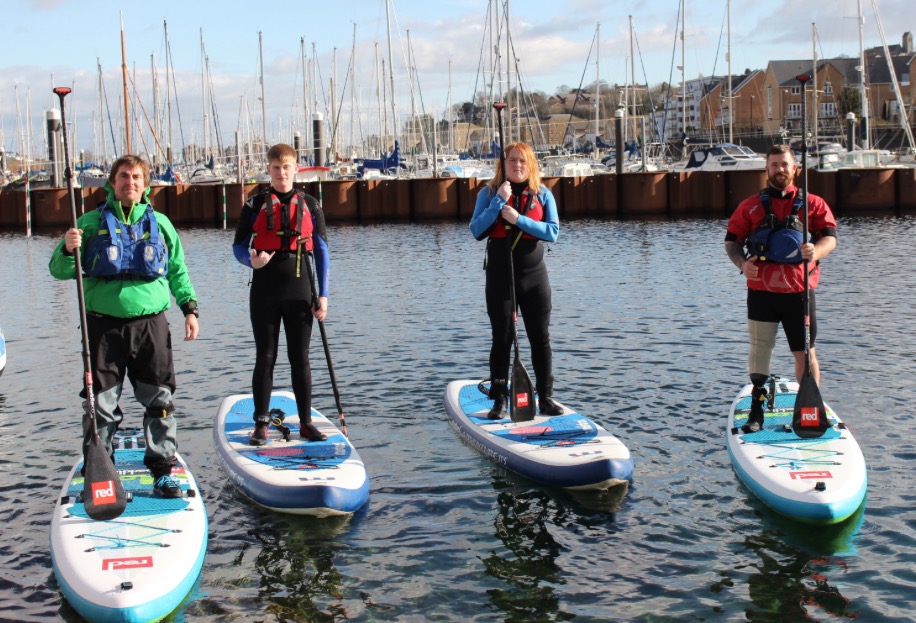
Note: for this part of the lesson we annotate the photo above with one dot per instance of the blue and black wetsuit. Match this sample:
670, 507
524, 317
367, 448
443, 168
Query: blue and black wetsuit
278, 296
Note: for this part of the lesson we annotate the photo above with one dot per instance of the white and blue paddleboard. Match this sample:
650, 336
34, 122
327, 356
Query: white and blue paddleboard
140, 566
567, 450
319, 478
820, 480
2, 352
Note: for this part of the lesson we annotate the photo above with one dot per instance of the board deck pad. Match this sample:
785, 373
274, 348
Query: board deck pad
817, 480
296, 476
278, 452
141, 565
777, 424
137, 482
567, 450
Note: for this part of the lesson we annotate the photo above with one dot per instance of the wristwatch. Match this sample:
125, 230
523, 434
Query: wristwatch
190, 308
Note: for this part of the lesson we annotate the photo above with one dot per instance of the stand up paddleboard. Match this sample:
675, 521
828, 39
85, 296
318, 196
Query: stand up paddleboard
140, 566
300, 477
2, 352
819, 480
567, 450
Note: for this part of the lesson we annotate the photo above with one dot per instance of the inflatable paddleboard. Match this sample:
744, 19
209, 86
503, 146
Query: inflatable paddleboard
2, 352
300, 477
567, 450
819, 480
141, 565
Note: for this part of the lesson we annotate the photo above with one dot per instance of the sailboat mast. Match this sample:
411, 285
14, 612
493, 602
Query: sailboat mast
353, 93
101, 114
597, 83
203, 95
683, 68
334, 128
815, 110
156, 128
307, 134
509, 64
863, 94
394, 106
124, 76
728, 57
379, 85
263, 105
168, 96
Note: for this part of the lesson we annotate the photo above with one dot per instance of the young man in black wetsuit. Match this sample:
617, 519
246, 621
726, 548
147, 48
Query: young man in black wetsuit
276, 231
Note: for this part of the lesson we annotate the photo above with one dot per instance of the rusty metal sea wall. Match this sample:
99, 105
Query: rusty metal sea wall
633, 195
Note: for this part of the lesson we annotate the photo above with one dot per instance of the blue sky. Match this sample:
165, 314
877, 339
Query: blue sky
60, 42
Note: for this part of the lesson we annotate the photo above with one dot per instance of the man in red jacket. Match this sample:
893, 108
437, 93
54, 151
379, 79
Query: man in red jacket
764, 240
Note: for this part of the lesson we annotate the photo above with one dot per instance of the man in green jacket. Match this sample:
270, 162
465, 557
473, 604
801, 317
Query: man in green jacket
132, 261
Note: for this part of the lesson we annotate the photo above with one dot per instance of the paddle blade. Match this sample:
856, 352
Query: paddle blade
103, 493
810, 416
521, 394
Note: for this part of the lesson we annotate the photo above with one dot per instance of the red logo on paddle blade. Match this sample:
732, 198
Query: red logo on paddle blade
809, 416
521, 399
103, 493
116, 564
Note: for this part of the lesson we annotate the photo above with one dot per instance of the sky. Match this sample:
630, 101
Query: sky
49, 43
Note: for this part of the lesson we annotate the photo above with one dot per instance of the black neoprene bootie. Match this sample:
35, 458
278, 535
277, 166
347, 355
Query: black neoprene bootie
310, 432
498, 392
755, 417
261, 426
547, 406
498, 411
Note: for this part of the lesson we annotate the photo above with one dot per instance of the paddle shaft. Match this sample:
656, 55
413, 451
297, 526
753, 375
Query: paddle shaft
499, 106
62, 92
806, 300
312, 270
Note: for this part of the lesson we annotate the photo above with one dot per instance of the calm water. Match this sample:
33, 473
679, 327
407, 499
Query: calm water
649, 339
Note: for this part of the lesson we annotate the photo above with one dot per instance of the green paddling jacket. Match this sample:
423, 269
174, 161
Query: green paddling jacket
129, 298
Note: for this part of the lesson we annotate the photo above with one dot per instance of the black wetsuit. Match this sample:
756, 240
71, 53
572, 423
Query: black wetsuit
532, 294
278, 297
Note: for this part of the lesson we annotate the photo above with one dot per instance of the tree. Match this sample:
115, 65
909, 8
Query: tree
849, 100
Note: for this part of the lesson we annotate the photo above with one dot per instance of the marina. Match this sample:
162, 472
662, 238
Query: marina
849, 191
649, 338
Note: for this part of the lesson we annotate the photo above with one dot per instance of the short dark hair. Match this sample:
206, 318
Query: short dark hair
781, 148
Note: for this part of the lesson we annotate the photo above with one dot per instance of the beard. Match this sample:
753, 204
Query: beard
781, 181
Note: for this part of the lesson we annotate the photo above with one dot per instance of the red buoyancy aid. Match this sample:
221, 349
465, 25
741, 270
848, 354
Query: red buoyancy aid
534, 211
280, 228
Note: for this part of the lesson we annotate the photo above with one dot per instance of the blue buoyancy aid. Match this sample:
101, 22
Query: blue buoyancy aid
776, 240
123, 251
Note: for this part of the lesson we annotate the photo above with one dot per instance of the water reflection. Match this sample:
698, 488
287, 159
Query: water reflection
649, 340
529, 567
792, 579
531, 563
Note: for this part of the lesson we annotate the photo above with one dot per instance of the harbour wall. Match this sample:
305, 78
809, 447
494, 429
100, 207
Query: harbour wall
632, 195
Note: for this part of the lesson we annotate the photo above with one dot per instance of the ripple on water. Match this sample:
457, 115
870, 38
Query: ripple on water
649, 339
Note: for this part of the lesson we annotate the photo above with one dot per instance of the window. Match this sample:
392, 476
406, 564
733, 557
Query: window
794, 111
827, 110
828, 88
769, 102
796, 90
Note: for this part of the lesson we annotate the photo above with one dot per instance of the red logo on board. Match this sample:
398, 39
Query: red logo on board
117, 564
809, 416
809, 475
103, 493
521, 399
